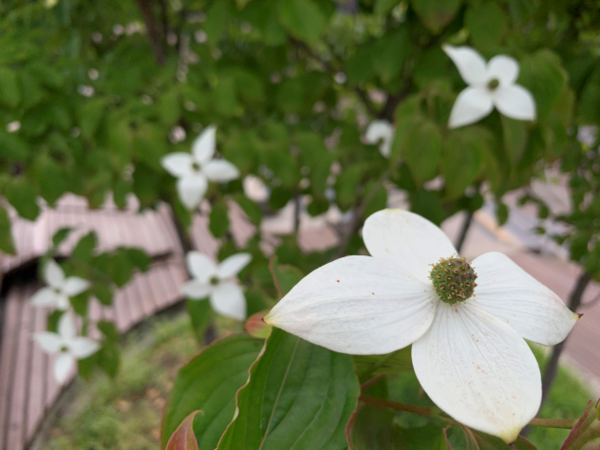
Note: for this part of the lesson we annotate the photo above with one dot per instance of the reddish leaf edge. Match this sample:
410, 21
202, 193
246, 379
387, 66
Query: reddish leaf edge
183, 438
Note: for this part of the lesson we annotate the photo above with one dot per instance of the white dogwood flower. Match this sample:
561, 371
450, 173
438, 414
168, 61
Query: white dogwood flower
382, 132
489, 85
466, 328
195, 170
218, 283
67, 345
59, 288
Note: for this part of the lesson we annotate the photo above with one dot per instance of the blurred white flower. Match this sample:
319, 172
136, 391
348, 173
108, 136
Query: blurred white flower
382, 132
13, 126
489, 85
59, 288
195, 170
67, 344
466, 328
218, 283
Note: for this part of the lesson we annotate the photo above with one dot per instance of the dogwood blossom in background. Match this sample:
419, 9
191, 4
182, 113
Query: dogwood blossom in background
67, 345
60, 289
466, 328
218, 283
382, 132
195, 170
489, 85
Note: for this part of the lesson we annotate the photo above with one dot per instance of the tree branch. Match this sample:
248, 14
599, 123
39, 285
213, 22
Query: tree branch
154, 35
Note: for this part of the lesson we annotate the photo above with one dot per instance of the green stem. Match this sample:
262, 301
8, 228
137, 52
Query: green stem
414, 409
436, 412
567, 424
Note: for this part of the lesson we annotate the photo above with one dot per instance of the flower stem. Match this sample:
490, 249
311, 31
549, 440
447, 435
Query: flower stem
553, 423
382, 403
436, 412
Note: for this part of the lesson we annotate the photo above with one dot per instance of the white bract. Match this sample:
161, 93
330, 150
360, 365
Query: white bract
59, 288
382, 132
491, 84
218, 283
468, 349
67, 345
194, 170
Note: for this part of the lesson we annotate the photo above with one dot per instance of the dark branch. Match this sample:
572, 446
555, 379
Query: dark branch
154, 35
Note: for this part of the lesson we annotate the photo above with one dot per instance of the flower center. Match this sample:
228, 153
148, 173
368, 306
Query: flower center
493, 84
57, 291
214, 281
453, 279
64, 349
196, 166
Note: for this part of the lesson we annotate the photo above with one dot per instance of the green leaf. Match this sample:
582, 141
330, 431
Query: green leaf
383, 7
219, 219
486, 23
121, 269
31, 91
462, 160
436, 14
514, 137
138, 257
216, 19
109, 330
502, 213
12, 147
168, 107
224, 98
10, 94
109, 358
103, 293
368, 366
290, 95
373, 428
85, 246
285, 276
347, 184
51, 179
251, 209
422, 148
299, 395
359, 66
183, 437
428, 205
200, 313
304, 19
6, 240
586, 431
315, 156
60, 236
543, 74
90, 115
390, 52
23, 197
209, 383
